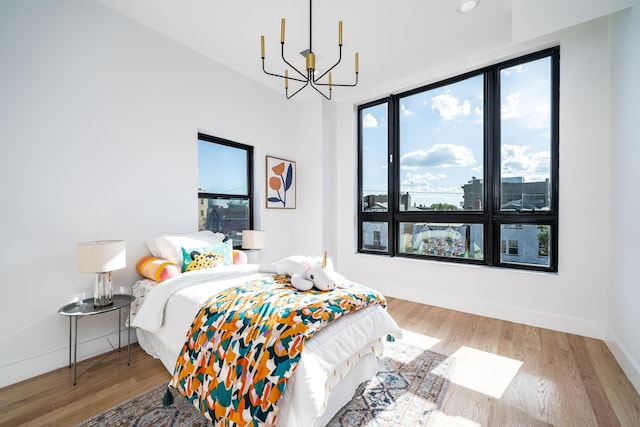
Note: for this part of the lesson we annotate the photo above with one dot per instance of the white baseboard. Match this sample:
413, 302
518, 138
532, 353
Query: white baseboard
33, 366
506, 312
629, 366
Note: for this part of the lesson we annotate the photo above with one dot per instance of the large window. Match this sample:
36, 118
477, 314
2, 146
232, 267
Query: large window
225, 187
465, 170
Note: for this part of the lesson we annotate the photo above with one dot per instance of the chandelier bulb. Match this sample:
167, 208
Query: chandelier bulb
282, 31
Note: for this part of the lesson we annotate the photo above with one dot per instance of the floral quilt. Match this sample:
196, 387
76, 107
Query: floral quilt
245, 344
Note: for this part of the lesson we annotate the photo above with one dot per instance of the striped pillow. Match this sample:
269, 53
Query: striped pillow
157, 269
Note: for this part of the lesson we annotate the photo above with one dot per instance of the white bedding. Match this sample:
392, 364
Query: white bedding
334, 361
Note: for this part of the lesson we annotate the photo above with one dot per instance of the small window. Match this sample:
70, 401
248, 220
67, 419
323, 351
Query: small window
527, 244
225, 187
374, 130
375, 236
461, 241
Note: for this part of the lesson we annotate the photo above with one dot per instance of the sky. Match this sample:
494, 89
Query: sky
221, 169
441, 135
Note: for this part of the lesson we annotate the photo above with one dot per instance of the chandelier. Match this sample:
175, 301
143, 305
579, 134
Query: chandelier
309, 78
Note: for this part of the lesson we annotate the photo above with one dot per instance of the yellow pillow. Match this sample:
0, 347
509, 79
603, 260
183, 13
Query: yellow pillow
207, 257
157, 269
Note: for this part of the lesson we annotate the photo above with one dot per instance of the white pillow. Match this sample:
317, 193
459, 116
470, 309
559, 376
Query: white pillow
169, 246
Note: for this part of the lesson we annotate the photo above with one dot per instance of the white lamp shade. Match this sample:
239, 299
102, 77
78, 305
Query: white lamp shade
253, 239
101, 256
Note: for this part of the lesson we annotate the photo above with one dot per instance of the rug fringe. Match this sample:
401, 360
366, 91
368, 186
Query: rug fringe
167, 400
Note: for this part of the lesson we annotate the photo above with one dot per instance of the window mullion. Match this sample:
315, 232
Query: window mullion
492, 164
393, 165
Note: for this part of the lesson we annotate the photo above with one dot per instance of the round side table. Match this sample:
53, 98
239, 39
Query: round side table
85, 307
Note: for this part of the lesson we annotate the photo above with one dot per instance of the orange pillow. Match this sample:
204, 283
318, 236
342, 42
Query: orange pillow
157, 269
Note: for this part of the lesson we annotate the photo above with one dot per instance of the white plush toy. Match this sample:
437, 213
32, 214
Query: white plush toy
309, 272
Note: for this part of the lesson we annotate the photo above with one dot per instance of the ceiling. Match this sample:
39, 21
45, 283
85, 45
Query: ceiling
395, 39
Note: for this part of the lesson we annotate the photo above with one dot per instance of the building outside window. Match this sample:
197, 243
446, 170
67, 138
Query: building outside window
225, 187
452, 170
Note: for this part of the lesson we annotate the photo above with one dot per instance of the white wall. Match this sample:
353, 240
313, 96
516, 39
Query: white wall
536, 18
623, 314
330, 214
98, 118
307, 238
98, 125
572, 299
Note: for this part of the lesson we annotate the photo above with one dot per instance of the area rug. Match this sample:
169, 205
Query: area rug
409, 386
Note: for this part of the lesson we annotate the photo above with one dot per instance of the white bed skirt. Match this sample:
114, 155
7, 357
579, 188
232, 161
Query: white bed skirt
363, 370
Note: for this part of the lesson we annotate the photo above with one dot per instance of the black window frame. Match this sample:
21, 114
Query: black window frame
490, 216
250, 187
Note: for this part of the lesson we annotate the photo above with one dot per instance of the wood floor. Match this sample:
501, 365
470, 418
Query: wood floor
524, 376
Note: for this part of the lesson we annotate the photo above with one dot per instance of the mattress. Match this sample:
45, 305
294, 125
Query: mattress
334, 362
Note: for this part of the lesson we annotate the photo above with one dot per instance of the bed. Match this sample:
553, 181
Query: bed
334, 362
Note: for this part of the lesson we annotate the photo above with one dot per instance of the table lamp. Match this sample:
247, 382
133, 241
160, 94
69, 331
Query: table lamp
102, 257
253, 240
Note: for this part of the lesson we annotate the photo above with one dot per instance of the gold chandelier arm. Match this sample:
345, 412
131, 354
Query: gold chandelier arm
328, 98
339, 84
286, 89
316, 81
280, 75
311, 81
262, 55
290, 65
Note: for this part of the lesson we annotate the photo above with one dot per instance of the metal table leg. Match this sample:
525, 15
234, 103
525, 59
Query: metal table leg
129, 336
75, 350
119, 326
69, 341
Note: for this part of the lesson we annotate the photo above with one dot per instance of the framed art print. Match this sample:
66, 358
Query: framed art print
281, 183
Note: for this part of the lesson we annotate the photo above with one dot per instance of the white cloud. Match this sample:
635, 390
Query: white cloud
515, 69
479, 115
404, 111
517, 161
509, 109
413, 179
440, 155
421, 182
423, 192
369, 121
531, 112
526, 96
449, 106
